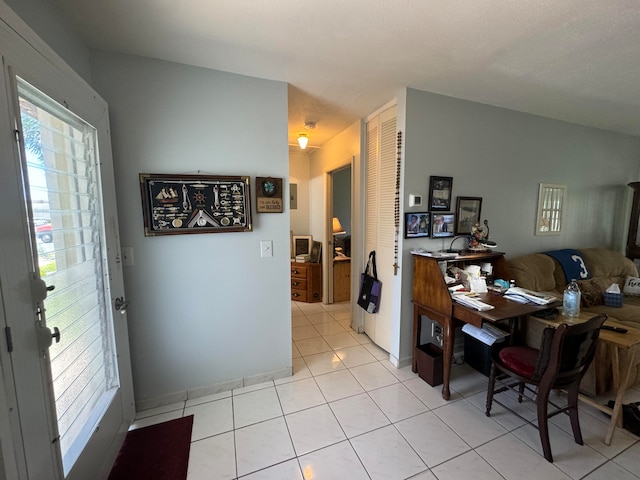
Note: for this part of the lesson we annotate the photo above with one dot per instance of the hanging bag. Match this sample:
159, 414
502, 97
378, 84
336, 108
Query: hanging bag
370, 286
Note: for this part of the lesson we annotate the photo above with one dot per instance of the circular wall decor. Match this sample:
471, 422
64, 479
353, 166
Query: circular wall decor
269, 187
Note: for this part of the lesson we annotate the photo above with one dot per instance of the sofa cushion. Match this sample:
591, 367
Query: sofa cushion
592, 293
535, 272
603, 262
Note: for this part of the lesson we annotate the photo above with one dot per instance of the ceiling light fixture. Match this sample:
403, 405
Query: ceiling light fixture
309, 125
303, 139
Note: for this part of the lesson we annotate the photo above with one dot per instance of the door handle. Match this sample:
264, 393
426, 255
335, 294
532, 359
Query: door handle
45, 337
121, 305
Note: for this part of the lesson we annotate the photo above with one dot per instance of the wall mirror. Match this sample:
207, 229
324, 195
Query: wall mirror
551, 198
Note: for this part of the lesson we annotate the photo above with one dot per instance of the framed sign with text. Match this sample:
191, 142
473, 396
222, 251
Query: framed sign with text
269, 195
179, 204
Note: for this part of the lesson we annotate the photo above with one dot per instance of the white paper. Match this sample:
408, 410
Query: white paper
478, 284
487, 335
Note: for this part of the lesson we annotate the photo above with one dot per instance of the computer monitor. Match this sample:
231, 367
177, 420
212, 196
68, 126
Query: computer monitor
442, 225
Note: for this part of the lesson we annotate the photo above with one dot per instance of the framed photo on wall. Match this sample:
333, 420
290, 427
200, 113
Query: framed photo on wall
417, 224
442, 225
467, 214
440, 193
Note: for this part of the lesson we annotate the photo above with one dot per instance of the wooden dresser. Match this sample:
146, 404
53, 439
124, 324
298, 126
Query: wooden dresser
306, 282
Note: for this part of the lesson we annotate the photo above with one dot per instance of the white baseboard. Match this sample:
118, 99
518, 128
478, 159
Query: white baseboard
225, 386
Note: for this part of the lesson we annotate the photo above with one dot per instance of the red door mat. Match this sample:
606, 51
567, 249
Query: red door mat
158, 452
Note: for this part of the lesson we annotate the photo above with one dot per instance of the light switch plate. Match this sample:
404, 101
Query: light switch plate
266, 248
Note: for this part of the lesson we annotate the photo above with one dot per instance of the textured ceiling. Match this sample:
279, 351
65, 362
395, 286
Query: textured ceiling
574, 60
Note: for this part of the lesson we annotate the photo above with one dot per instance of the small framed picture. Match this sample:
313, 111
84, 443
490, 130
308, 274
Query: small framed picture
467, 214
302, 245
443, 224
416, 224
316, 252
269, 195
440, 193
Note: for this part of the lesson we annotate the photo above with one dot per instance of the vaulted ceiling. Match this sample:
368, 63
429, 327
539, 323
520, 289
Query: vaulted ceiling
574, 60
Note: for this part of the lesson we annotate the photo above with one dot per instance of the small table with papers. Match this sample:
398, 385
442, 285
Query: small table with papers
627, 344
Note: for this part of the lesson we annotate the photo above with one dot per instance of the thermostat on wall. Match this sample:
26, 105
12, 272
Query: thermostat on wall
415, 200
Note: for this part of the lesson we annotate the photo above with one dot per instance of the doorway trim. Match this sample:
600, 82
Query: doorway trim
328, 216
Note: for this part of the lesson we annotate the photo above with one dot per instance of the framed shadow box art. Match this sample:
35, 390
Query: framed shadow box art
180, 204
467, 214
417, 224
440, 193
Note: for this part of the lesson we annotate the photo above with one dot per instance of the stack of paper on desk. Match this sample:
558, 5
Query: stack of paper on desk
472, 302
518, 294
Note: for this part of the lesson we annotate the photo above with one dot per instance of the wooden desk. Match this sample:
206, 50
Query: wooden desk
629, 344
431, 298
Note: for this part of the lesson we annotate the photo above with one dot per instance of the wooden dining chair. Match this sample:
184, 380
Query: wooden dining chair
565, 353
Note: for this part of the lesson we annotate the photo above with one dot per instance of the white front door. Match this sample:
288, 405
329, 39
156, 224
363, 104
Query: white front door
69, 403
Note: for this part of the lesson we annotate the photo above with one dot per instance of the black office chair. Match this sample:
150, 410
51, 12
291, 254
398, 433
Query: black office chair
564, 355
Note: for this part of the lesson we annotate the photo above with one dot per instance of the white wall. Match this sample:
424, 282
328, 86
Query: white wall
502, 156
299, 168
206, 310
44, 19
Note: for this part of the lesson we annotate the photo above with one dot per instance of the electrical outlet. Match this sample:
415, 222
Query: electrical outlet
436, 329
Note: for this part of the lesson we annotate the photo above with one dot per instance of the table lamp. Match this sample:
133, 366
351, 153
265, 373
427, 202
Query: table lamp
338, 229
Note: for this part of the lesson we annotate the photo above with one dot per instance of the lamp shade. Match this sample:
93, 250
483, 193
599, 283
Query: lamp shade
337, 227
303, 140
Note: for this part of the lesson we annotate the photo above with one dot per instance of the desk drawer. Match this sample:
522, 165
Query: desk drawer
466, 316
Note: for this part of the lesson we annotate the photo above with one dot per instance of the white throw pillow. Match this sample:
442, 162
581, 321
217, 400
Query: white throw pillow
632, 286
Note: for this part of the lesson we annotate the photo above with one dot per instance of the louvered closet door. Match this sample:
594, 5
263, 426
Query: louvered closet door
380, 184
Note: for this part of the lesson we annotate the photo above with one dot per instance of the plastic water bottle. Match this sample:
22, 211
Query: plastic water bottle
571, 300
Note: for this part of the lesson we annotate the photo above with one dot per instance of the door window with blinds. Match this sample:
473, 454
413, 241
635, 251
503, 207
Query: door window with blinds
64, 199
551, 198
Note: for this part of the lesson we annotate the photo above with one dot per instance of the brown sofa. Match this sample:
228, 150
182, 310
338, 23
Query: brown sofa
542, 273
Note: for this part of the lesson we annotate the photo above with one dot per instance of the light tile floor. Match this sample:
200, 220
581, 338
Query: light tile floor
347, 413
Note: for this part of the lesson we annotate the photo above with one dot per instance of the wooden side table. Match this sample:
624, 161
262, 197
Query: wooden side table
626, 343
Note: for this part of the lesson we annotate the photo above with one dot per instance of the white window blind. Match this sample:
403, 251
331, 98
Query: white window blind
64, 195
